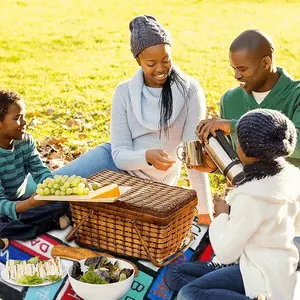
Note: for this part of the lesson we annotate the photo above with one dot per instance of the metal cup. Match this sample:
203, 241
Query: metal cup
192, 153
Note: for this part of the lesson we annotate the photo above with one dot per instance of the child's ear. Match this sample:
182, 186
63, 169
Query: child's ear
138, 61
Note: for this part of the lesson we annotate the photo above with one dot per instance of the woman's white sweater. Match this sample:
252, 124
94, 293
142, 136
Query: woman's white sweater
259, 234
135, 129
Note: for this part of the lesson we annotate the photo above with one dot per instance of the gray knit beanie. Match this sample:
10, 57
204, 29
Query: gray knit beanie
146, 32
266, 133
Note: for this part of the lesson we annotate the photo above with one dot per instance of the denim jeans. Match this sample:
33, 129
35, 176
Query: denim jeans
89, 163
206, 281
33, 222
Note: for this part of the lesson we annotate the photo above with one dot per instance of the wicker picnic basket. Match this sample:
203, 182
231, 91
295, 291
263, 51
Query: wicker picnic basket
151, 221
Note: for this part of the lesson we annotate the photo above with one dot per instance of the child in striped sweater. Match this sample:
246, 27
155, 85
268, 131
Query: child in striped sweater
22, 217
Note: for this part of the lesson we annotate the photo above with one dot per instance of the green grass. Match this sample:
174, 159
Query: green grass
70, 54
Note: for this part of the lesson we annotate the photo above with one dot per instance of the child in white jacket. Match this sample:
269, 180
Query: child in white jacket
254, 240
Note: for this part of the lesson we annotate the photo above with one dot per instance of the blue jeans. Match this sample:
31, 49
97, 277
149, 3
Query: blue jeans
33, 222
45, 218
91, 162
206, 281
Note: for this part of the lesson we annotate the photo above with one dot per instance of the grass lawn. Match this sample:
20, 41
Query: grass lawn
67, 56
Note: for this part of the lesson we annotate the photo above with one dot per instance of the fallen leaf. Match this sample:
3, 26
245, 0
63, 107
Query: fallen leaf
78, 115
71, 123
56, 155
56, 163
33, 114
50, 111
82, 136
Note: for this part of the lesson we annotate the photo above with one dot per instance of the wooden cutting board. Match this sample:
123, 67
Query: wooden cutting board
84, 198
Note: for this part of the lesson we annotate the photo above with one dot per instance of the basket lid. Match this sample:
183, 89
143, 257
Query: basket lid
146, 196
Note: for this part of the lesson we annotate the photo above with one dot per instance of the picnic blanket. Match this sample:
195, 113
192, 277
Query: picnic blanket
148, 285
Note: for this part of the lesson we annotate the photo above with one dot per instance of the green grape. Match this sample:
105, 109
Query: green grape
57, 178
74, 183
67, 184
40, 191
79, 191
84, 180
65, 178
81, 185
47, 180
56, 186
75, 190
63, 188
95, 186
73, 177
69, 191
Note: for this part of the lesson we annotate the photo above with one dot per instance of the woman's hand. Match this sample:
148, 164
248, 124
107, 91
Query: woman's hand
159, 159
220, 206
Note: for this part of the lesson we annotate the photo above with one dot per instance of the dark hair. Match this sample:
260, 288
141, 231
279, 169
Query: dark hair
253, 40
7, 98
166, 100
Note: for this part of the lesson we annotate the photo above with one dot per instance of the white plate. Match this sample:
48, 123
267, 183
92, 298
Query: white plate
123, 189
4, 276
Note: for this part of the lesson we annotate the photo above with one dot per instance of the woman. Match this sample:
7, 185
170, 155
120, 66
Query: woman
253, 241
152, 114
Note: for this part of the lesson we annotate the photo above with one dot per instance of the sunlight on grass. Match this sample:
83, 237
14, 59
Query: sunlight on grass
70, 54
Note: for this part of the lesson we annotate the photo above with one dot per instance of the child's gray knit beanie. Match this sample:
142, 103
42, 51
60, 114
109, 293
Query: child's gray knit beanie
146, 32
266, 133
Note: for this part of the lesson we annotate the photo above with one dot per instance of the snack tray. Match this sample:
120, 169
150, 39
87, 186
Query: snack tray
84, 198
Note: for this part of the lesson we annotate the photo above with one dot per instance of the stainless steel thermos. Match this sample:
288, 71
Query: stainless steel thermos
226, 159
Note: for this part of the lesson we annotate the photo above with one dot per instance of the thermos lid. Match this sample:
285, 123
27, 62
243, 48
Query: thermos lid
238, 179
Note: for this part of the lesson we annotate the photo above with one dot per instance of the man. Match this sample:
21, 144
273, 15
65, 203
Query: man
262, 85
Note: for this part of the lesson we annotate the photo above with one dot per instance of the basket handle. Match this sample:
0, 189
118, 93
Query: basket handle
167, 261
71, 235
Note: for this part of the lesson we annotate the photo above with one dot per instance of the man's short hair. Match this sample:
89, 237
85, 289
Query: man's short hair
253, 40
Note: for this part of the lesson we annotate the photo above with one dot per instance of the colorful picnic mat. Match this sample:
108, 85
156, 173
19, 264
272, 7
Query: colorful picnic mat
148, 285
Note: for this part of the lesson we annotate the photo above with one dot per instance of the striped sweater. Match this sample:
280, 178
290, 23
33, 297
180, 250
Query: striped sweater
15, 165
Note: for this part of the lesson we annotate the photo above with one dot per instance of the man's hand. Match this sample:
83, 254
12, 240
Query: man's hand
220, 206
205, 127
208, 164
159, 159
29, 203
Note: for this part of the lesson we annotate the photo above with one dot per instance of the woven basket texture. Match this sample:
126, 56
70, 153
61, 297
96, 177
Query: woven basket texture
163, 215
